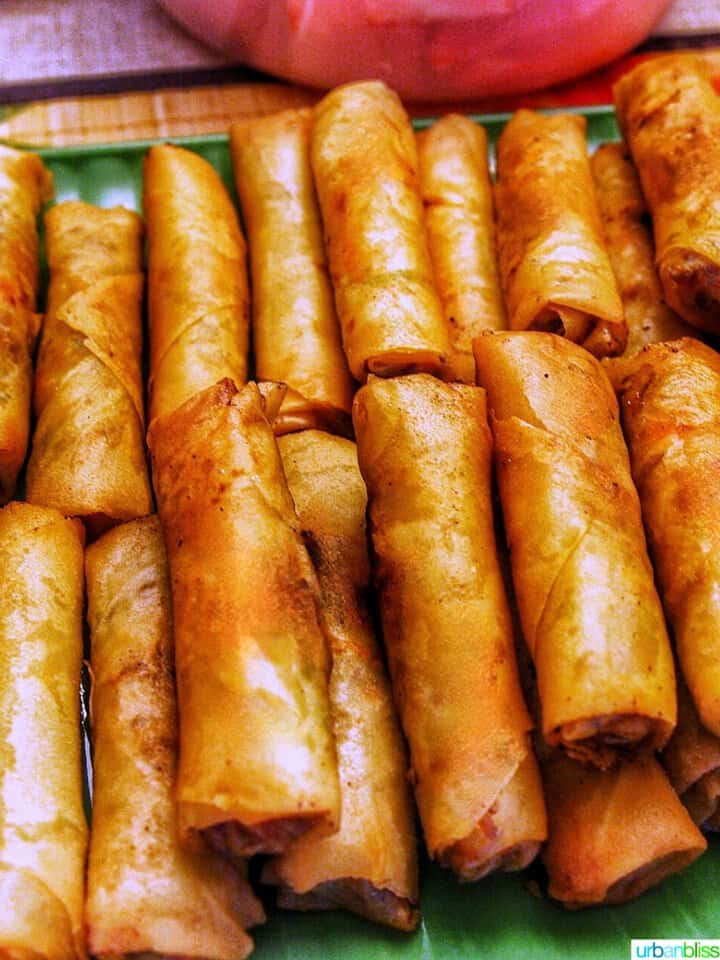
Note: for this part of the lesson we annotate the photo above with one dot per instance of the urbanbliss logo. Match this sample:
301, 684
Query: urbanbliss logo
674, 949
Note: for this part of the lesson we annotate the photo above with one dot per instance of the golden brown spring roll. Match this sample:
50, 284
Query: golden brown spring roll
631, 250
257, 757
198, 301
589, 610
554, 267
190, 904
615, 833
669, 114
88, 450
296, 333
25, 184
364, 160
44, 833
670, 402
370, 865
460, 226
425, 451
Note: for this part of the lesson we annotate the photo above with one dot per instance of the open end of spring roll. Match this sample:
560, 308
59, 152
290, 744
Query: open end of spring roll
296, 333
194, 905
257, 759
424, 450
460, 227
669, 114
554, 267
44, 835
589, 610
198, 301
370, 865
365, 165
613, 834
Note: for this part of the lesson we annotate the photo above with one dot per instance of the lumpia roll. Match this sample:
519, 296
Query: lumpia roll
425, 450
554, 267
44, 833
669, 114
460, 226
670, 401
365, 165
198, 301
296, 333
190, 905
257, 758
88, 450
370, 865
628, 237
615, 833
589, 610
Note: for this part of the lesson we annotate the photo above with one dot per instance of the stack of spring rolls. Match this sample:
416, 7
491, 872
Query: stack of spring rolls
480, 410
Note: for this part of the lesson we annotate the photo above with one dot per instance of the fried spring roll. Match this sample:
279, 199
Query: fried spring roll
364, 160
589, 610
370, 865
193, 905
257, 758
670, 117
88, 450
670, 402
460, 226
631, 250
25, 184
613, 834
296, 333
425, 450
554, 267
44, 833
198, 301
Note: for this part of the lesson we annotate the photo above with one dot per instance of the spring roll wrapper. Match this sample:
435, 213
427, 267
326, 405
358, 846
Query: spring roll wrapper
296, 332
589, 610
88, 450
25, 184
44, 833
669, 114
198, 299
145, 893
460, 227
554, 266
257, 758
370, 865
670, 404
631, 249
425, 450
365, 165
615, 833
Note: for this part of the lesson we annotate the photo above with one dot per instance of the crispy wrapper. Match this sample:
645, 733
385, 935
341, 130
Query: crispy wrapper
589, 610
146, 895
44, 833
629, 241
669, 114
554, 267
257, 758
670, 402
370, 865
615, 833
25, 184
364, 160
88, 450
460, 226
198, 300
296, 333
425, 451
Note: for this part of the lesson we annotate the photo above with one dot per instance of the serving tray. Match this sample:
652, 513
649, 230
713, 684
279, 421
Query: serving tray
500, 918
